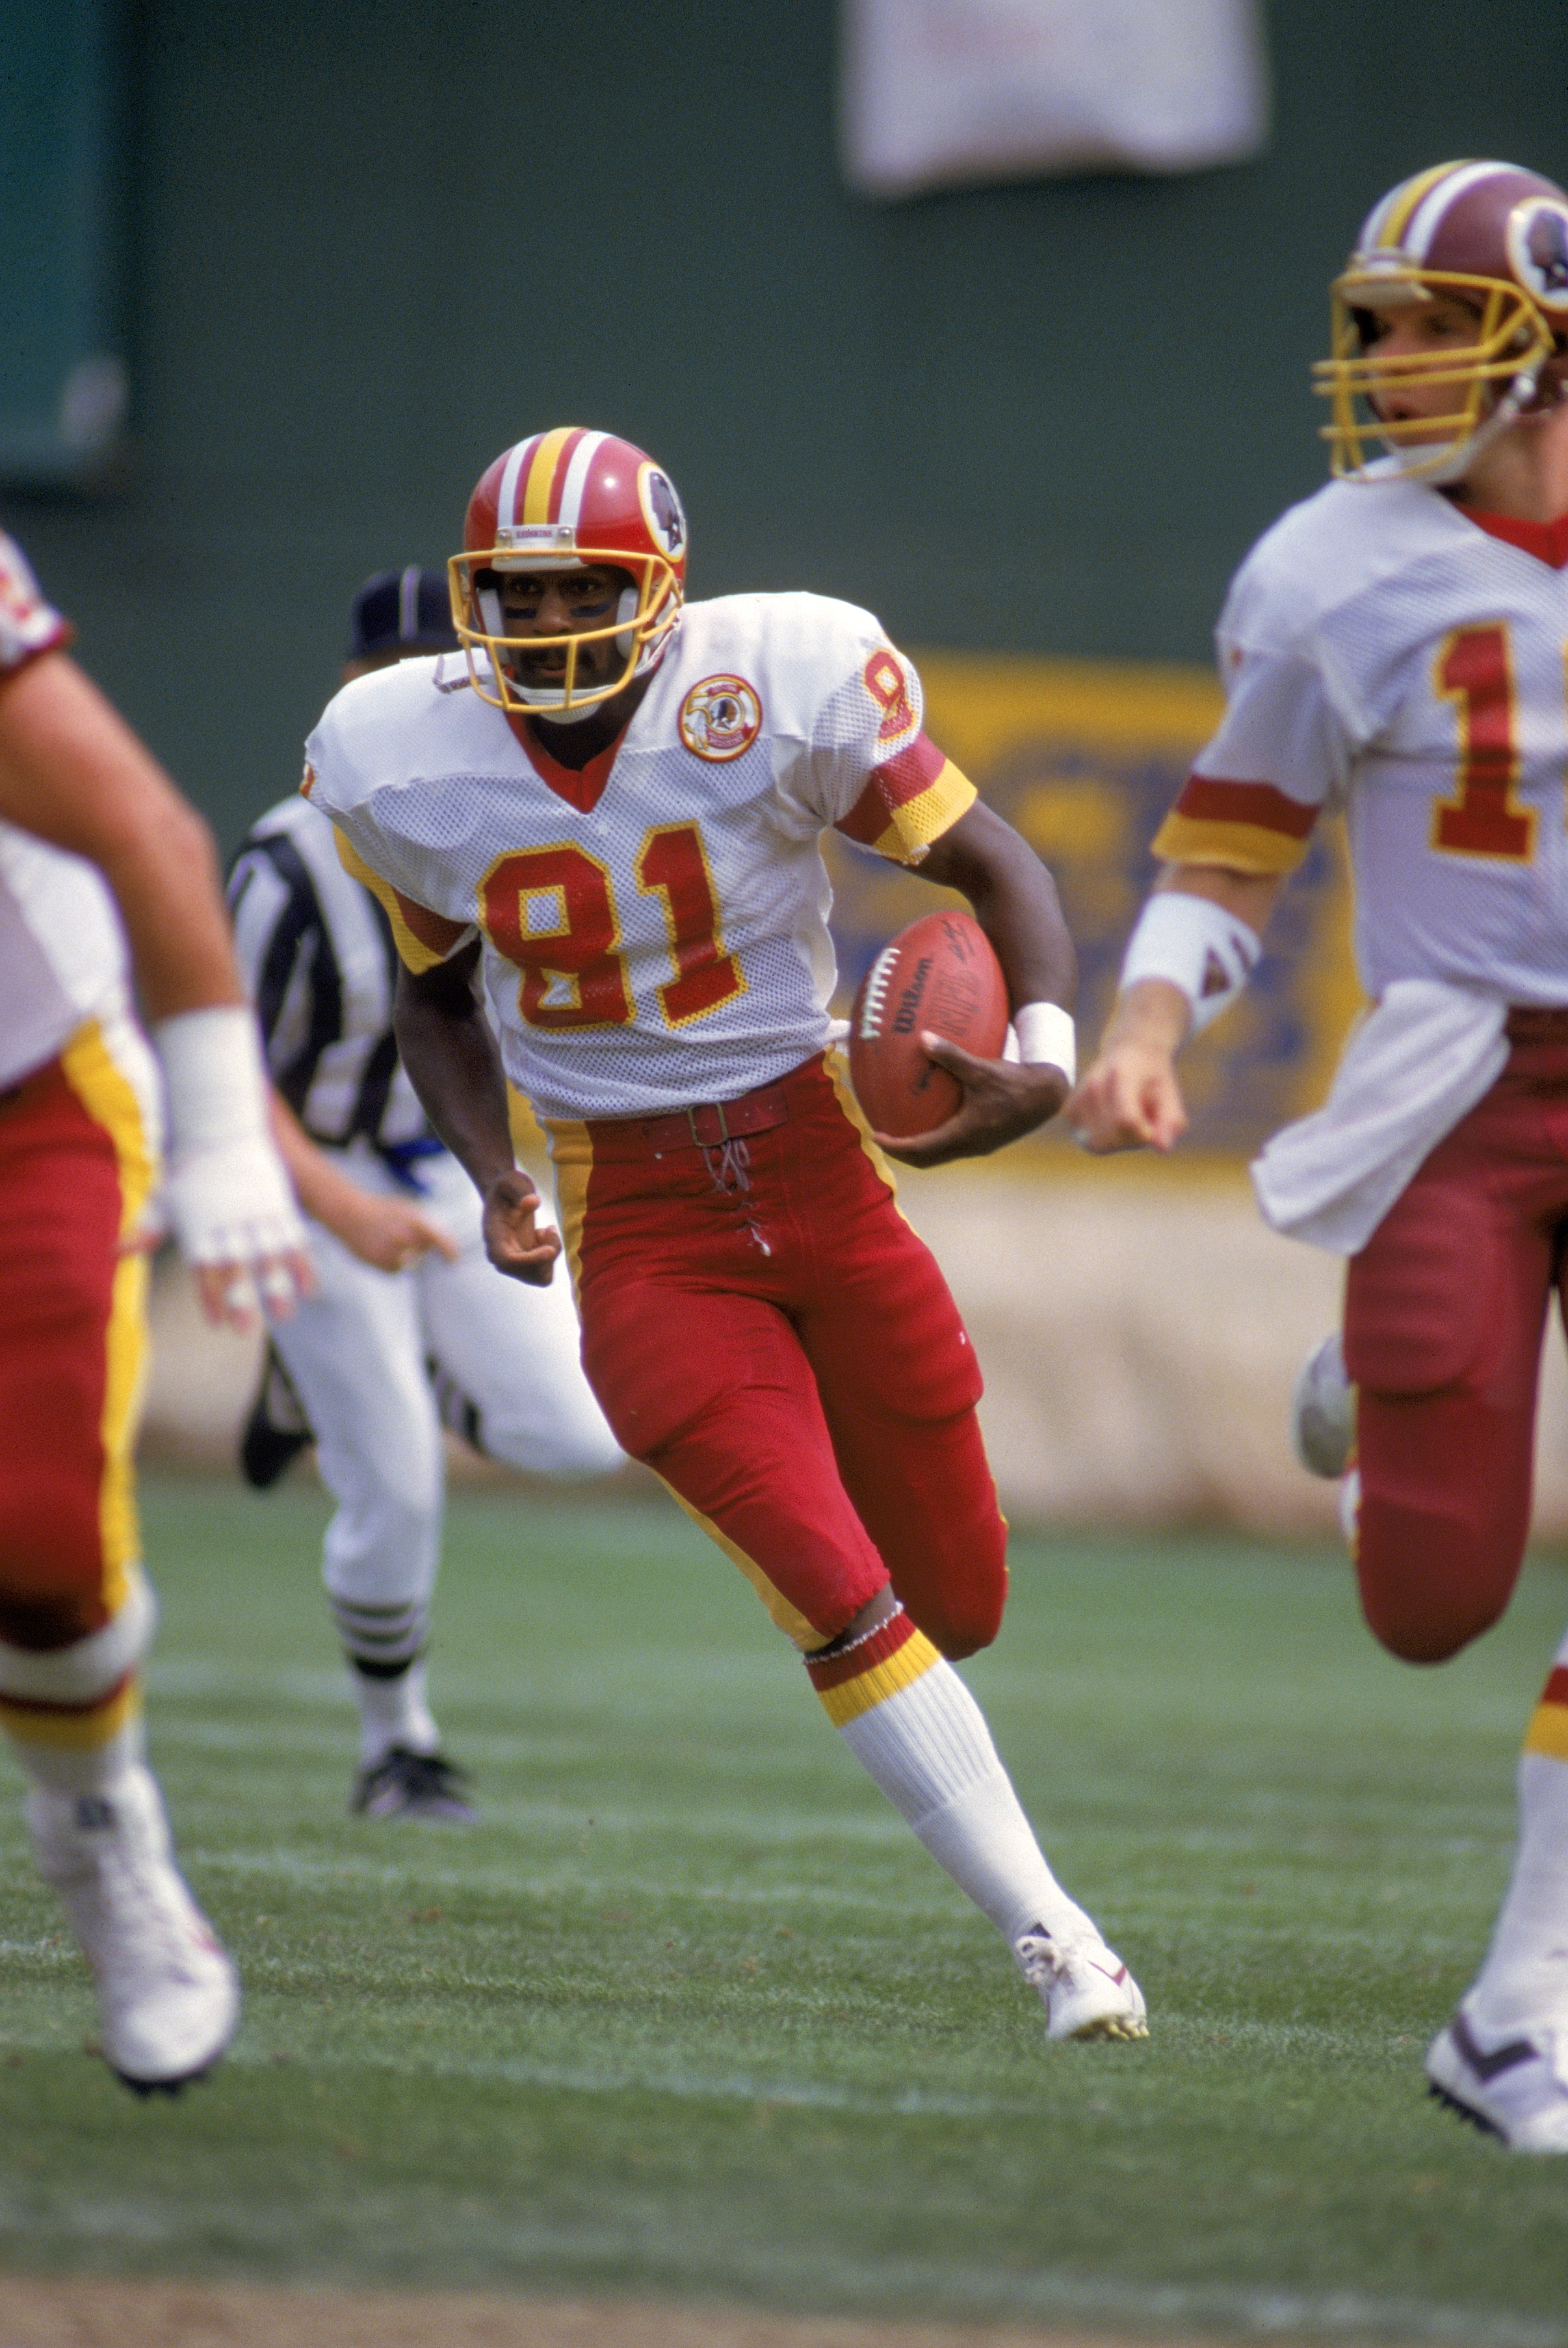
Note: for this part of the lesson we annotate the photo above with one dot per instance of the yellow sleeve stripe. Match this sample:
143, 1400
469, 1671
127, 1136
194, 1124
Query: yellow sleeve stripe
1239, 847
926, 818
420, 953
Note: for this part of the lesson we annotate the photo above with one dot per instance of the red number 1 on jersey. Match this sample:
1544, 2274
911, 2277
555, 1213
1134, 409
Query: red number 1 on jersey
1475, 669
672, 863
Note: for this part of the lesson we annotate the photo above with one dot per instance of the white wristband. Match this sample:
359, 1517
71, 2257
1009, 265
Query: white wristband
228, 1197
1046, 1037
212, 1068
1196, 945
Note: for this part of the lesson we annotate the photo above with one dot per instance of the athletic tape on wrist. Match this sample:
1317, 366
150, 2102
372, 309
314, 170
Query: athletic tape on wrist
1046, 1037
1196, 945
212, 1068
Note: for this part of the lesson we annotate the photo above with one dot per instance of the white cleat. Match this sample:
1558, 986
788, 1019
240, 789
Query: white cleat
167, 1995
1517, 2090
1322, 1412
1086, 1990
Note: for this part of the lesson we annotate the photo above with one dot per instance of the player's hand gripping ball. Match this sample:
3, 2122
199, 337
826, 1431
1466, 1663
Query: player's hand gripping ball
938, 977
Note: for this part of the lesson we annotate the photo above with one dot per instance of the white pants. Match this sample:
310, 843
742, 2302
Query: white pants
356, 1354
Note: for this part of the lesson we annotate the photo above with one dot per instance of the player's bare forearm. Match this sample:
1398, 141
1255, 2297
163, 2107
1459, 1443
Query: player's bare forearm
389, 1233
450, 1056
73, 773
1015, 901
1129, 1098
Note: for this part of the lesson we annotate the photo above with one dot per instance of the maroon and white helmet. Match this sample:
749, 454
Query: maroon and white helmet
564, 500
1489, 236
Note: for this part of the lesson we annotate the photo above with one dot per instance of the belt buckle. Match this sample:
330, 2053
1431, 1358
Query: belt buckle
724, 1132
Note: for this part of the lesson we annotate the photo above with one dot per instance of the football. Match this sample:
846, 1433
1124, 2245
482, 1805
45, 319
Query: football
941, 977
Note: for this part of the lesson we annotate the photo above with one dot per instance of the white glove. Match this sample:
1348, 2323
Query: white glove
227, 1194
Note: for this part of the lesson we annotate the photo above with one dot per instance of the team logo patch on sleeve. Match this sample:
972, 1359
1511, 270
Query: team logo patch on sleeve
721, 717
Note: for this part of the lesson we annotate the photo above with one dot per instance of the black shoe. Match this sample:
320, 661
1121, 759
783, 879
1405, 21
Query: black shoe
277, 1429
405, 1785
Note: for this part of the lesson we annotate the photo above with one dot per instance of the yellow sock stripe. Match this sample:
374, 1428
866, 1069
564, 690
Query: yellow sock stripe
111, 1099
1548, 1731
852, 1697
78, 1728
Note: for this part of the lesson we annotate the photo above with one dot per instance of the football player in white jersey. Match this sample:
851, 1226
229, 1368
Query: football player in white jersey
402, 1280
1395, 646
608, 808
96, 847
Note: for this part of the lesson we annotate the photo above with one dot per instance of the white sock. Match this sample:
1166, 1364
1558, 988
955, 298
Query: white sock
914, 1727
1525, 1977
393, 1712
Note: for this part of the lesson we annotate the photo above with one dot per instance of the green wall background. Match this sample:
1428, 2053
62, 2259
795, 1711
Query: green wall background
374, 243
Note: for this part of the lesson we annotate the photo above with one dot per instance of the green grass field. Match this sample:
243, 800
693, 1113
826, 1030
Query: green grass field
692, 2014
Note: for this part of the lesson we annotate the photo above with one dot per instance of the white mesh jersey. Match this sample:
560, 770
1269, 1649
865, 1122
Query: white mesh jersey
654, 928
1382, 652
62, 950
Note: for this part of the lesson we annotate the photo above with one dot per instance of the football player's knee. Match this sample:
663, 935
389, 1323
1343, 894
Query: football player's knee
51, 1561
68, 1647
961, 1623
1430, 1582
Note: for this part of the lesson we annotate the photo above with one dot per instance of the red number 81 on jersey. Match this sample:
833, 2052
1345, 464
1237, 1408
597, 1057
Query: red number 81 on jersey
550, 911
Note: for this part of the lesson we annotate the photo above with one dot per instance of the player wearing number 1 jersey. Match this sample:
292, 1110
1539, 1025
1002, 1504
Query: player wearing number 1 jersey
1396, 647
607, 810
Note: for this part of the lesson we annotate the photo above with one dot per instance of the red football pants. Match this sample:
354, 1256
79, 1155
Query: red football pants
764, 1330
75, 1168
1445, 1308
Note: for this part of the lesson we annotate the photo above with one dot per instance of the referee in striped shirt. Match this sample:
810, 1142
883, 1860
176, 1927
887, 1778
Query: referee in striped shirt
409, 1326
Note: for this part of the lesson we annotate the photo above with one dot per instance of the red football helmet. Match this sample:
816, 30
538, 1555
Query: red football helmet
561, 502
1489, 236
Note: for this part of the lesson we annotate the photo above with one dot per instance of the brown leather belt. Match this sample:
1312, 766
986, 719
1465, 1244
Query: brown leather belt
708, 1124
1530, 1023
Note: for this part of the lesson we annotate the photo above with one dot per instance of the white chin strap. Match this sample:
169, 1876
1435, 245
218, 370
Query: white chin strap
1462, 454
552, 697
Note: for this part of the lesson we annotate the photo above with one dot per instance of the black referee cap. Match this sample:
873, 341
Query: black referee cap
401, 612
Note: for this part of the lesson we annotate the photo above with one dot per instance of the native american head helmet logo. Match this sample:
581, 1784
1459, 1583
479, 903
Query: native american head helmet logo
1538, 248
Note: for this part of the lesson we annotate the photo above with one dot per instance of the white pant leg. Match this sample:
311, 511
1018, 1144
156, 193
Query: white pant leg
513, 1350
356, 1352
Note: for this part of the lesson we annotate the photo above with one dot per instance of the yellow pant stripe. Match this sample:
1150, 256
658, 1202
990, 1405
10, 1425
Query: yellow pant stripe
572, 1155
111, 1099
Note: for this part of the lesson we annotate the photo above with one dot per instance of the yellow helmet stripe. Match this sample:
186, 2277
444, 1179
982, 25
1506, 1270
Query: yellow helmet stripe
541, 473
1403, 202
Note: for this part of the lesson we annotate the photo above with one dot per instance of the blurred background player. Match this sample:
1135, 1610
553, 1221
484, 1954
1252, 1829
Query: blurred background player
405, 1294
89, 823
1397, 644
609, 807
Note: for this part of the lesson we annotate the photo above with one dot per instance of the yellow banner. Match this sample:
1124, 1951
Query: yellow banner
1085, 758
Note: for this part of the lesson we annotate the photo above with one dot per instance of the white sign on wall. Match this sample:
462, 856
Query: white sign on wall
936, 92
